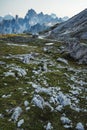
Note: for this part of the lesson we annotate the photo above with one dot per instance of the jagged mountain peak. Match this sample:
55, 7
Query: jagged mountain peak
8, 17
40, 14
40, 21
30, 13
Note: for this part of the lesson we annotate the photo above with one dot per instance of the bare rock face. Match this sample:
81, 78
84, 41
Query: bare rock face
73, 32
77, 51
84, 36
75, 27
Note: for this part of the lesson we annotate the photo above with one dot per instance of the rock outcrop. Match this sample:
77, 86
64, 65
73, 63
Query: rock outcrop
73, 32
77, 51
75, 27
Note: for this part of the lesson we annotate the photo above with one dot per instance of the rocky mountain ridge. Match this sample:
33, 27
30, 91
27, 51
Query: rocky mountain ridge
31, 23
74, 34
75, 27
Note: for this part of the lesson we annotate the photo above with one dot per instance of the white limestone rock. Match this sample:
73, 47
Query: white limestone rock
26, 103
62, 60
49, 126
63, 99
79, 126
20, 122
17, 112
38, 101
65, 120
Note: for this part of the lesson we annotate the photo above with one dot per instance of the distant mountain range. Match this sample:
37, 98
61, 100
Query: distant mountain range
31, 23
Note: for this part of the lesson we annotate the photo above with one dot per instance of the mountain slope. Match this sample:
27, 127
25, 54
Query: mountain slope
75, 27
74, 33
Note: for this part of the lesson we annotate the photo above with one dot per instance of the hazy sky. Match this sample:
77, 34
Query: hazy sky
59, 7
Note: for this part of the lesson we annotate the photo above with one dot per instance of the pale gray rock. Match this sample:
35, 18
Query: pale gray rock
62, 60
79, 126
49, 126
38, 101
65, 120
26, 103
17, 112
20, 122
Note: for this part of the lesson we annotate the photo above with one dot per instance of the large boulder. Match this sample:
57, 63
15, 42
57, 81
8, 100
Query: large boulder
77, 51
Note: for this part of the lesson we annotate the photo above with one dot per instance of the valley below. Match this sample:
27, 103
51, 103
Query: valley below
41, 86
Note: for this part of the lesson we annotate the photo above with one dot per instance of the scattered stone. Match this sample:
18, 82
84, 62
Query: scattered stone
9, 74
59, 108
38, 101
17, 112
62, 60
63, 99
27, 108
24, 92
20, 122
79, 126
12, 44
26, 103
5, 84
1, 116
67, 126
26, 58
20, 71
49, 126
65, 120
48, 44
6, 96
44, 67
2, 63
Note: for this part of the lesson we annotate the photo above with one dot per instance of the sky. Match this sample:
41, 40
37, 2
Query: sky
60, 7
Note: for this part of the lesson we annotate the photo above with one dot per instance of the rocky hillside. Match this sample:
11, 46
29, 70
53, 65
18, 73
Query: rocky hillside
39, 88
75, 27
74, 33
